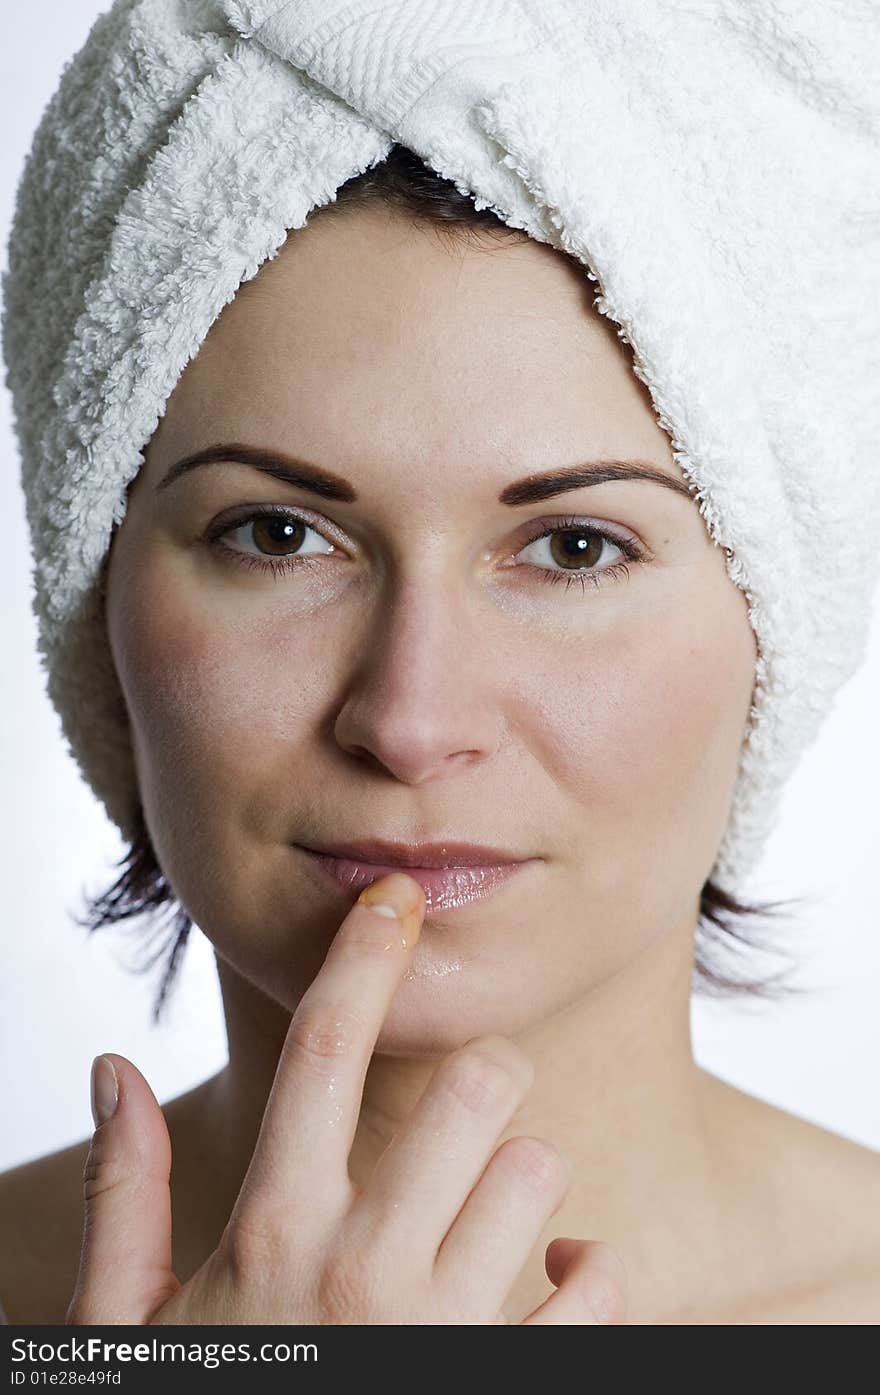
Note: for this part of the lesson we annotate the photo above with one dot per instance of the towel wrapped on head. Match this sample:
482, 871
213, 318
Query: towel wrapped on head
714, 166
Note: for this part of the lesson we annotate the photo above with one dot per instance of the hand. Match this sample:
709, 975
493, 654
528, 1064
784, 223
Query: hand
440, 1232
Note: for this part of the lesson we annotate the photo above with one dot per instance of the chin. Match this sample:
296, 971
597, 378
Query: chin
440, 1006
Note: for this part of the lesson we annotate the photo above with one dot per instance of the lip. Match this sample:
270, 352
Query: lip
446, 854
452, 875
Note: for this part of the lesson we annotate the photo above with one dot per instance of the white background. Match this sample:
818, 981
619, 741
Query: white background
67, 996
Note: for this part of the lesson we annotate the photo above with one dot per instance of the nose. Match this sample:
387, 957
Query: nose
422, 701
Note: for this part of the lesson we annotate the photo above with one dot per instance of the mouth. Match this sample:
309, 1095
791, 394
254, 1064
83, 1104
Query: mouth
452, 875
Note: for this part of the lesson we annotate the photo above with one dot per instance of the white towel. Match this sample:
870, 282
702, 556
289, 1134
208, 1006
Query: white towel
713, 163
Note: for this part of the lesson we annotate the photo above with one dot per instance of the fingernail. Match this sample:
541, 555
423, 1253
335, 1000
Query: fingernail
105, 1090
397, 896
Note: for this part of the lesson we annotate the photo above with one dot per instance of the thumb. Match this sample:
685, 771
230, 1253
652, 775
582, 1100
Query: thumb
125, 1271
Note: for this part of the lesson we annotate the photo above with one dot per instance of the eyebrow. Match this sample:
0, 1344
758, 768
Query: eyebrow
323, 482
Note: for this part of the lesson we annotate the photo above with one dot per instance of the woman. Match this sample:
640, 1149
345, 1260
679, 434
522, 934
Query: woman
411, 562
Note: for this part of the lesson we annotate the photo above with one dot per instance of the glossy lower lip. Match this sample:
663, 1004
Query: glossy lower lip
446, 888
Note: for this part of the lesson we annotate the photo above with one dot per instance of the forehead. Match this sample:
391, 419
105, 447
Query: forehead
368, 338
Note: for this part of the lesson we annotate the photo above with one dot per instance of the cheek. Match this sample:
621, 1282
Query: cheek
218, 698
642, 728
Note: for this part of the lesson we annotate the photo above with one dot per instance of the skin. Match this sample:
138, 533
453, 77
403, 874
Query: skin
423, 680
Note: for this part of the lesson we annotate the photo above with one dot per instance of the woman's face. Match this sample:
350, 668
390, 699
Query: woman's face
431, 668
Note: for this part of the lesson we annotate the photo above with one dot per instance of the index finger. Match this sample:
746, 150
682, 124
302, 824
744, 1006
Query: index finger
299, 1169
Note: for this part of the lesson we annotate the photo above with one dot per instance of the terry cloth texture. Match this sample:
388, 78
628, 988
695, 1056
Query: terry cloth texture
713, 164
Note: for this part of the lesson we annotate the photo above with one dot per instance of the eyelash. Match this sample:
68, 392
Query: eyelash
284, 565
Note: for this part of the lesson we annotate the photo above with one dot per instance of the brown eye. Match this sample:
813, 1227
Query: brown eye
580, 548
278, 536
572, 549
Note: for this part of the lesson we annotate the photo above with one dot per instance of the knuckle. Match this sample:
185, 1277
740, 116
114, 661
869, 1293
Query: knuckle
103, 1171
346, 1286
249, 1247
535, 1163
321, 1035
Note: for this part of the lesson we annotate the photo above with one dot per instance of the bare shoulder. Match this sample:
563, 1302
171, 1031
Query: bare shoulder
41, 1213
817, 1193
